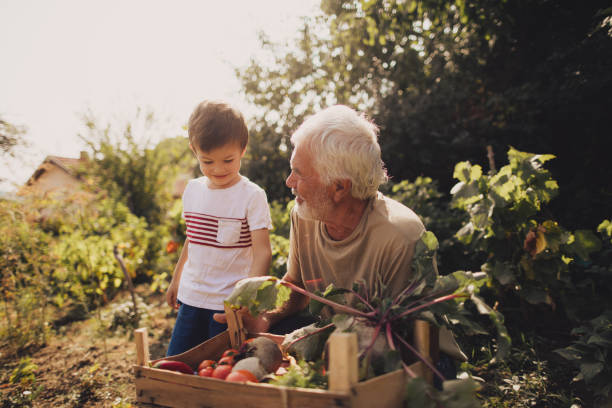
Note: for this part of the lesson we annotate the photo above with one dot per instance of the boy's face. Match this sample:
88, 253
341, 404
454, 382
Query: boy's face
221, 166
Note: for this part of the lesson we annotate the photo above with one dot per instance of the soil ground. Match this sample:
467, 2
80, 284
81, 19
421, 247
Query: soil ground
79, 367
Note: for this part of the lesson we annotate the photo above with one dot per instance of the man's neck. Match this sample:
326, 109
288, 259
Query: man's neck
344, 218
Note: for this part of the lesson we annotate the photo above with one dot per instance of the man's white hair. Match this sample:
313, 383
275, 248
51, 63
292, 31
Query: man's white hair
344, 145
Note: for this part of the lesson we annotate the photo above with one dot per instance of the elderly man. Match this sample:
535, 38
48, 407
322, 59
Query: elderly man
342, 229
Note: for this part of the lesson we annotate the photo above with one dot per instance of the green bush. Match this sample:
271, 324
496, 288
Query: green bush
88, 270
527, 255
279, 236
424, 198
26, 267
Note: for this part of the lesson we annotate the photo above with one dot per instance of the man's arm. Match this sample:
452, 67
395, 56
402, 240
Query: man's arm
262, 253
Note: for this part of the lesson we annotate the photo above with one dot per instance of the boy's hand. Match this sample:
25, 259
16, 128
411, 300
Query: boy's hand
171, 295
259, 324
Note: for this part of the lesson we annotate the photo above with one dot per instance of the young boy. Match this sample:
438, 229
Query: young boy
227, 218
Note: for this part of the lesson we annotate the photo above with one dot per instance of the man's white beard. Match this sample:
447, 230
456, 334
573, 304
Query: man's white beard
319, 211
304, 211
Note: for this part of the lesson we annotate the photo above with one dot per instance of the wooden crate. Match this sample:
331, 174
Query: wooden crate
177, 390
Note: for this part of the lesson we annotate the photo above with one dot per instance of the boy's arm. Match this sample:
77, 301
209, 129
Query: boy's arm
262, 253
172, 291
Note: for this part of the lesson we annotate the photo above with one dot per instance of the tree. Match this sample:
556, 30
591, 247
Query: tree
134, 171
10, 137
446, 79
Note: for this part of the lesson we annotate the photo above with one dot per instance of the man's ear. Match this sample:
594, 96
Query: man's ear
341, 189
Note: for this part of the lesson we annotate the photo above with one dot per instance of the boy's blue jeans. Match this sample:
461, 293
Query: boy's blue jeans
193, 326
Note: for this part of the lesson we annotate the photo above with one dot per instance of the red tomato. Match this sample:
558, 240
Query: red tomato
241, 376
207, 363
229, 352
226, 360
221, 371
206, 372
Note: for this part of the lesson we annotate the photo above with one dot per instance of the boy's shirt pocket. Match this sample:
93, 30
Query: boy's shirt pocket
228, 231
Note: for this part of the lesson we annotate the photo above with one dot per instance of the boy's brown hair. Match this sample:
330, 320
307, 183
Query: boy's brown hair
214, 124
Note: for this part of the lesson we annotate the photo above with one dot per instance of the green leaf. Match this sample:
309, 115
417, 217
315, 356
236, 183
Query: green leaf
466, 233
258, 294
465, 194
332, 293
600, 341
459, 394
503, 338
306, 343
417, 394
590, 369
504, 272
585, 243
605, 228
430, 240
570, 353
462, 171
454, 394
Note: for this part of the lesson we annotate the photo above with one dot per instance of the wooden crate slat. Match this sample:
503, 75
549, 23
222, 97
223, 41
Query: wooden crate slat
170, 389
384, 391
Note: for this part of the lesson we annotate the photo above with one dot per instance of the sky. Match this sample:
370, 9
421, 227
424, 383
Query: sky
63, 58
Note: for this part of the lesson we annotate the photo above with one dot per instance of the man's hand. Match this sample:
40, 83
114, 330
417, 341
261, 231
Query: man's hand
260, 324
171, 294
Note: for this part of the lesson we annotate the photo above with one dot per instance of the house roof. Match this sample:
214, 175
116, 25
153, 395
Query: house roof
67, 164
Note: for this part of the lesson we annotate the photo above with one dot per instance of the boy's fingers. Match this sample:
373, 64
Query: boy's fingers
220, 318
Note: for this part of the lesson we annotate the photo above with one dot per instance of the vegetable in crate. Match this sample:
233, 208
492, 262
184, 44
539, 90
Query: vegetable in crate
206, 371
252, 365
241, 376
266, 350
207, 363
221, 371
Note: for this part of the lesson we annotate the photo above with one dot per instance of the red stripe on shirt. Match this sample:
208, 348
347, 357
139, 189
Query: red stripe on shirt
202, 229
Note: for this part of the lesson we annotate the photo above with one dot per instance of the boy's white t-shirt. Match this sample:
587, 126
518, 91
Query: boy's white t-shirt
219, 224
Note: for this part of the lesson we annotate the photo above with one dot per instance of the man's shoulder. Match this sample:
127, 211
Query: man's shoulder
396, 218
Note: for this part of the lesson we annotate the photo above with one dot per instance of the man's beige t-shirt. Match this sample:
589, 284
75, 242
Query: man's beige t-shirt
382, 245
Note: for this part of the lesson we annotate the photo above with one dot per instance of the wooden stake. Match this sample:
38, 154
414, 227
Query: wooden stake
422, 342
237, 332
491, 157
142, 346
343, 362
129, 282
